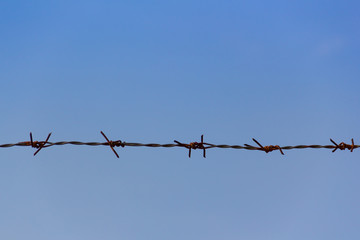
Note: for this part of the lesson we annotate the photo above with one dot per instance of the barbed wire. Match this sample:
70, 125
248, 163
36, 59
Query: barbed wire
192, 145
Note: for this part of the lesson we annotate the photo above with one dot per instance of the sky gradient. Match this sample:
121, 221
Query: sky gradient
283, 72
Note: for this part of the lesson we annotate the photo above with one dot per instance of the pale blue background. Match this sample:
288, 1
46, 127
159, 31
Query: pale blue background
283, 72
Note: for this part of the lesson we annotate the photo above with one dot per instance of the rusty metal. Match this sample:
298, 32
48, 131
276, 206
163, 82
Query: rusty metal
266, 149
113, 144
192, 145
343, 146
38, 144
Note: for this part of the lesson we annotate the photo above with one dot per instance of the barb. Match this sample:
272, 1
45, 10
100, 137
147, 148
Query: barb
343, 146
193, 145
38, 145
266, 149
113, 144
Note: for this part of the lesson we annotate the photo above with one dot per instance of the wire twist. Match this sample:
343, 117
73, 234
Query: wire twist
192, 145
266, 149
343, 146
195, 145
113, 144
37, 144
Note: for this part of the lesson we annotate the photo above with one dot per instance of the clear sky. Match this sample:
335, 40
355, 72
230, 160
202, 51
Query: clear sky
283, 72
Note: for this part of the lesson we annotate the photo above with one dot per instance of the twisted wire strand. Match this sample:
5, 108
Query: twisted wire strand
169, 145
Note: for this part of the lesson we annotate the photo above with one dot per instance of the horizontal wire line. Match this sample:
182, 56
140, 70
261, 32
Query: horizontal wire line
129, 144
192, 145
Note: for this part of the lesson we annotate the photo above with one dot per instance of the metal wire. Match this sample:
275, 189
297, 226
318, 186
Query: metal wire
192, 145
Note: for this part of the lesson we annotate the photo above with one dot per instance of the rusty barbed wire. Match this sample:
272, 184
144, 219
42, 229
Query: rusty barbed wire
266, 149
37, 144
113, 144
192, 145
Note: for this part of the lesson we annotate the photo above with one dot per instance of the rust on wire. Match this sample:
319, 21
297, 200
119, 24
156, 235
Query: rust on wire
266, 149
194, 145
113, 144
38, 144
343, 146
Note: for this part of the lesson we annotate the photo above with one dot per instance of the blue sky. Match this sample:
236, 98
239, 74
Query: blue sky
283, 72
